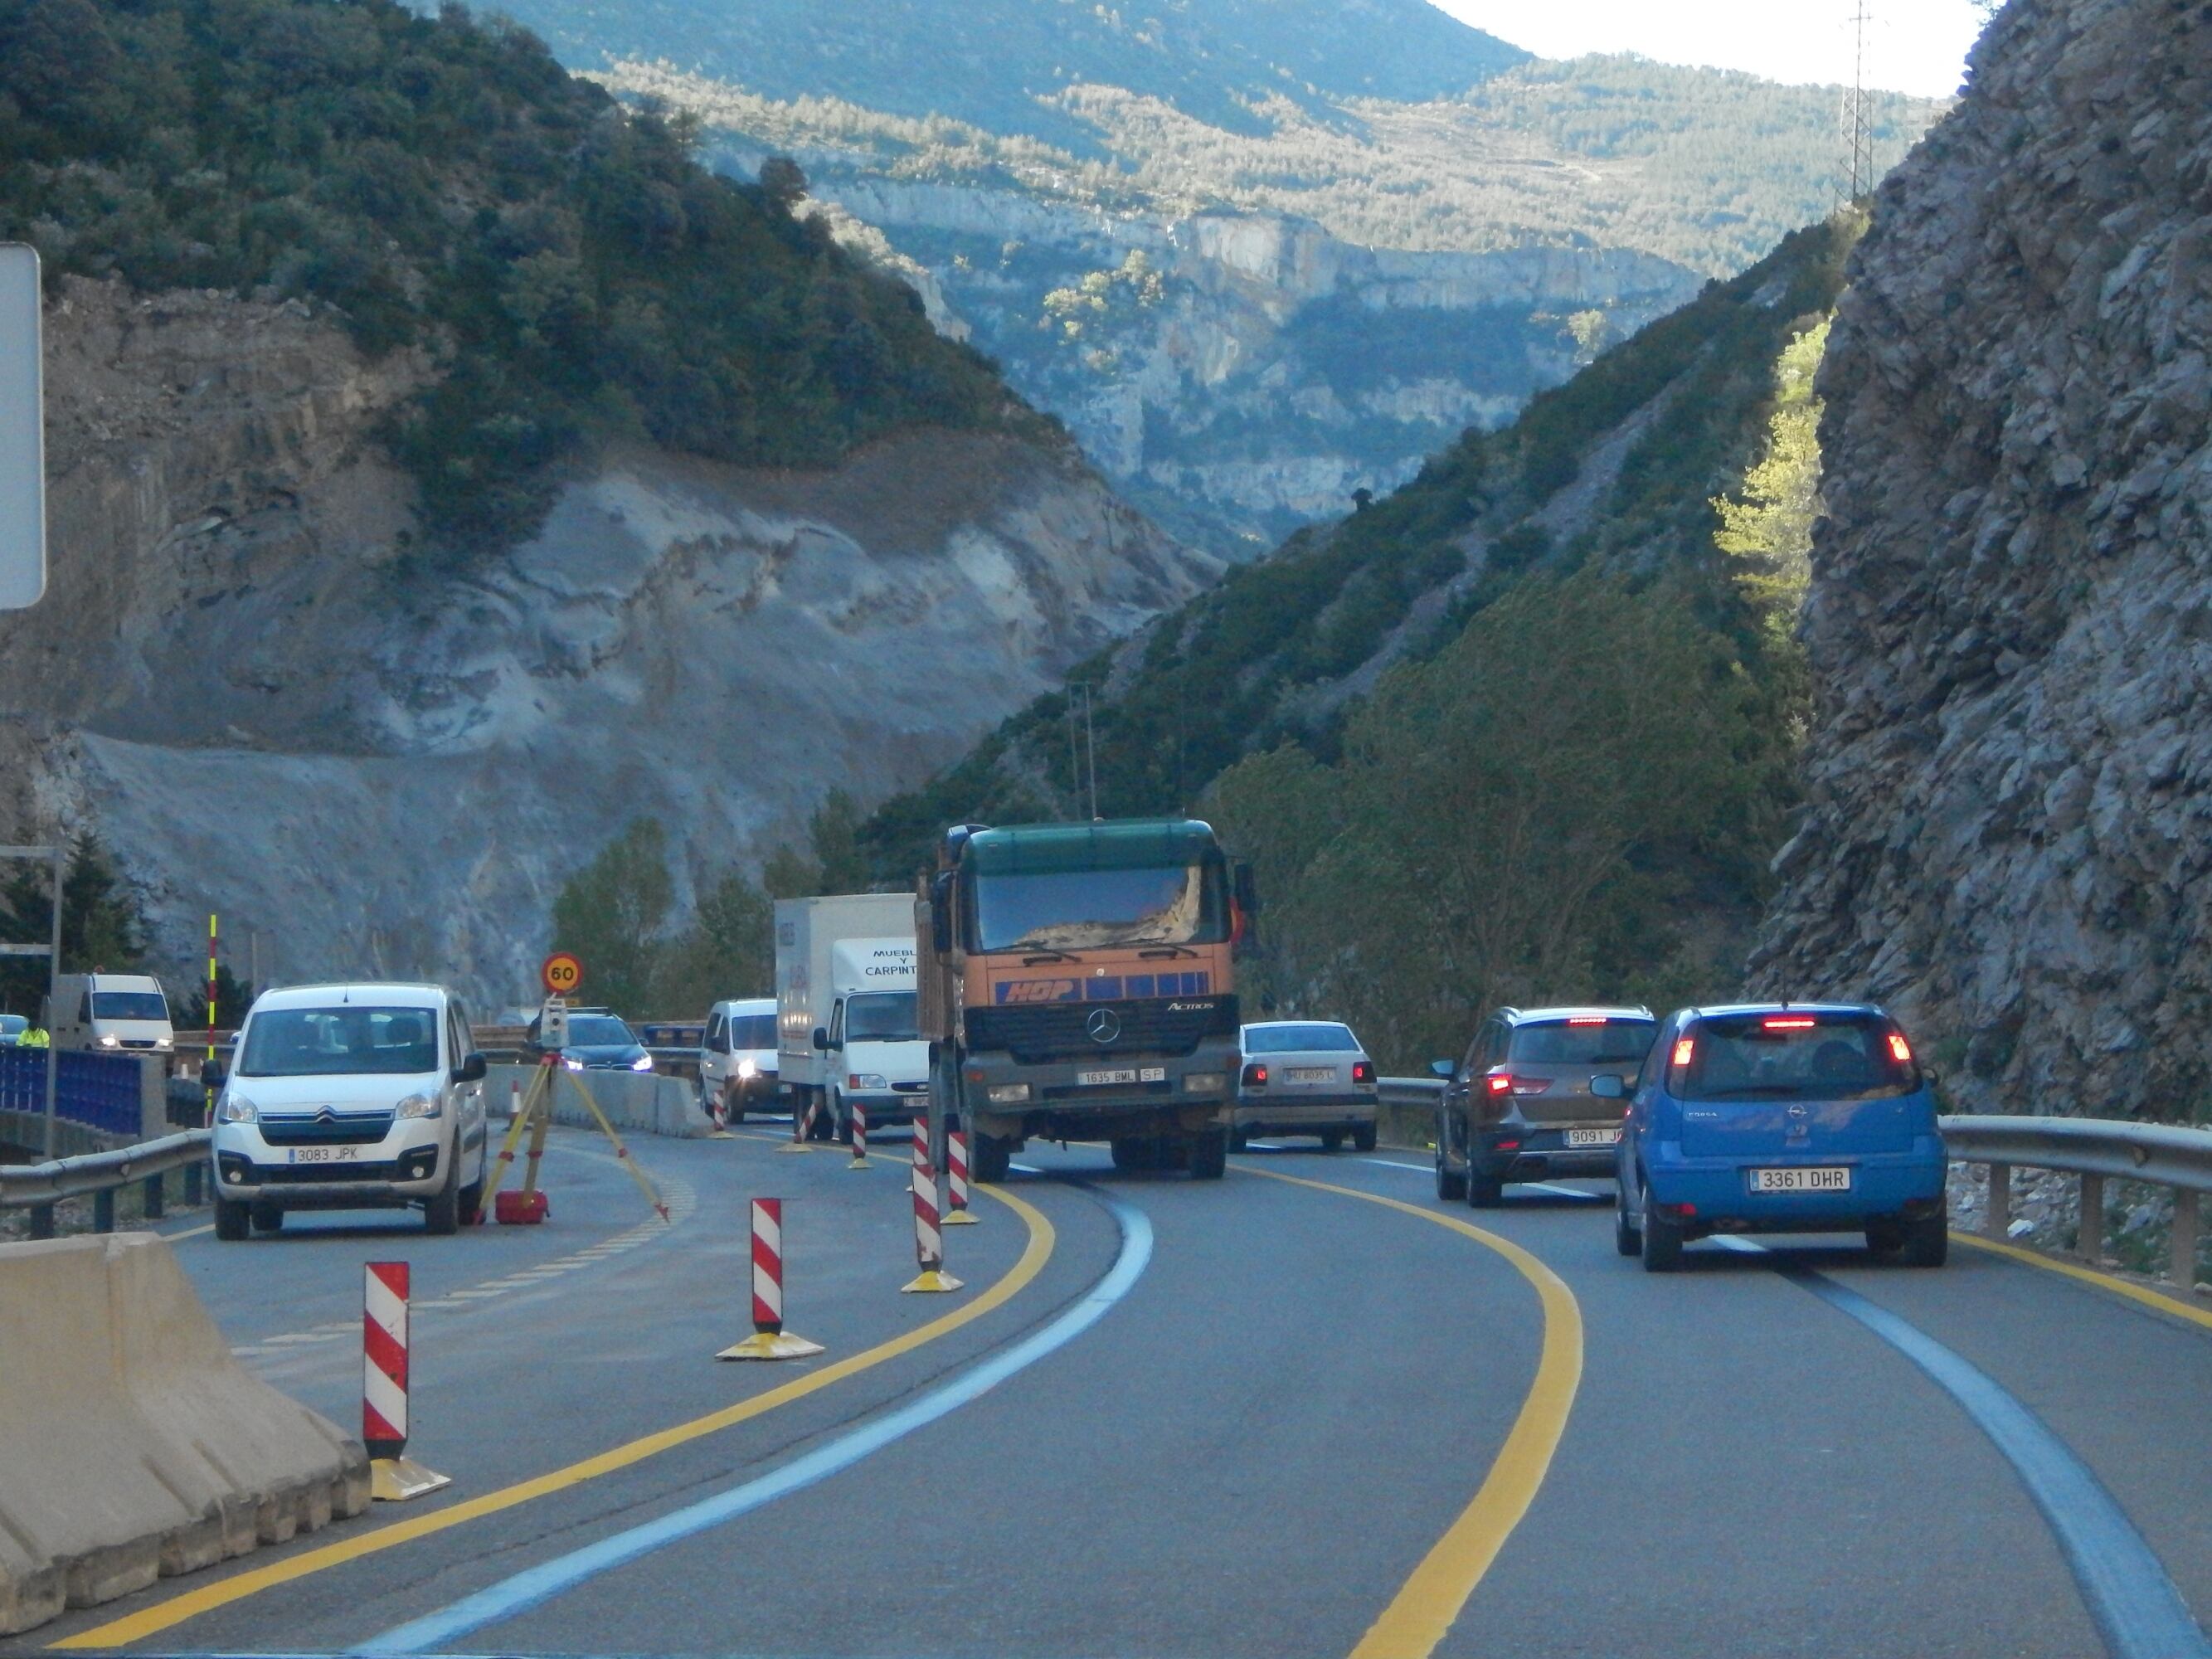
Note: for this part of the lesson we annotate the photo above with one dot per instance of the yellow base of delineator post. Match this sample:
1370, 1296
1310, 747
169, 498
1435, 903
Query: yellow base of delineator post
959, 1219
934, 1279
395, 1479
720, 1134
859, 1162
772, 1345
796, 1146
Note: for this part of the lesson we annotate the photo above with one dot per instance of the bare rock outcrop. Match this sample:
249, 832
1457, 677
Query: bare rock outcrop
2009, 831
252, 677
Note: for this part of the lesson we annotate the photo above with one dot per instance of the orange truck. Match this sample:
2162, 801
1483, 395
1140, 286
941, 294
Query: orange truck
1078, 982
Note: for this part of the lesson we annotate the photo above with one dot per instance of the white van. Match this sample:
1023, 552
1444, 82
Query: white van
349, 1097
110, 1011
737, 1058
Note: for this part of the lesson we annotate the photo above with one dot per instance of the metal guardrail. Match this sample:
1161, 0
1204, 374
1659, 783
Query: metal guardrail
2096, 1149
41, 1186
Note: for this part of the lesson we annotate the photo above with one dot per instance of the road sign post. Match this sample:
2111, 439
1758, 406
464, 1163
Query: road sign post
22, 432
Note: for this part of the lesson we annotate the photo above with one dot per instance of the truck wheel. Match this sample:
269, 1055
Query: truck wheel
1239, 1139
1332, 1140
824, 1129
1363, 1138
230, 1220
1133, 1153
1208, 1154
994, 1158
268, 1218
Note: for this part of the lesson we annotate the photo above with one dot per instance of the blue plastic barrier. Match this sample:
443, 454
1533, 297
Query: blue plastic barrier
98, 1090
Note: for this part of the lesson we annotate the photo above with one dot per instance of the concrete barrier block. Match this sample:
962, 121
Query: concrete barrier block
638, 1103
133, 1445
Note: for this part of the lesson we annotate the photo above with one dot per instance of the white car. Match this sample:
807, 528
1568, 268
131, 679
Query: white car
349, 1097
1305, 1077
737, 1058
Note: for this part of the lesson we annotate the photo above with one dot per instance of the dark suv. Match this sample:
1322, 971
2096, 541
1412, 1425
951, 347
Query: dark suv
1518, 1106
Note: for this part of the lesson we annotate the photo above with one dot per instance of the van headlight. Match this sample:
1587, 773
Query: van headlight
164, 1043
643, 1063
236, 1108
747, 1070
866, 1080
420, 1106
111, 1041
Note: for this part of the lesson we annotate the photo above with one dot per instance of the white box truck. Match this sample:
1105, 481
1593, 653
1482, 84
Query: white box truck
847, 1025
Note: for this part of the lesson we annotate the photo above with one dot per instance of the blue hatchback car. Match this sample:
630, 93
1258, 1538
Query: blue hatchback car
1779, 1117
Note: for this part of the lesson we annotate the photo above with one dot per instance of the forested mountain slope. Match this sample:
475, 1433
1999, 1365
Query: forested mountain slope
1537, 638
1256, 256
444, 466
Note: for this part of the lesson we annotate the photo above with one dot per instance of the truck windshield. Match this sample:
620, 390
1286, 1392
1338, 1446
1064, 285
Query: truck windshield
1098, 910
882, 1016
348, 1042
130, 1004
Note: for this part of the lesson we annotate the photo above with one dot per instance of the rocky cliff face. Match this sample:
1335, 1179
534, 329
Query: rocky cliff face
249, 680
1250, 372
2011, 619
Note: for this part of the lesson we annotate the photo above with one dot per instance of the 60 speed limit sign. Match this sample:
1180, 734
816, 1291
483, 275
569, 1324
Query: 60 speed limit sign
561, 973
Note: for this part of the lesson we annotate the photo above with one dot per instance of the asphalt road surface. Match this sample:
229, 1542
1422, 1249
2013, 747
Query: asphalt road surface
1266, 1417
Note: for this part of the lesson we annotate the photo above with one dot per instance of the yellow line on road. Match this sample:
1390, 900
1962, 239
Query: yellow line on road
2158, 1300
1426, 1604
138, 1627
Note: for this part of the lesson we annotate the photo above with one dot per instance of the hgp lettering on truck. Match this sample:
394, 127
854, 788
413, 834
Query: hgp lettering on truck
845, 1009
1078, 982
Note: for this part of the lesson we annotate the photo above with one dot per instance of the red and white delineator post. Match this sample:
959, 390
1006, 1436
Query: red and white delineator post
802, 1127
928, 1241
769, 1340
956, 1212
859, 1137
393, 1476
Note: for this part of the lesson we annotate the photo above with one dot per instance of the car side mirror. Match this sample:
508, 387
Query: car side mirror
822, 1036
211, 1073
1443, 1068
1609, 1085
471, 1070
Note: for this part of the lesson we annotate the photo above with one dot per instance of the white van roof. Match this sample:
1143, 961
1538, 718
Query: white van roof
369, 991
746, 1006
116, 981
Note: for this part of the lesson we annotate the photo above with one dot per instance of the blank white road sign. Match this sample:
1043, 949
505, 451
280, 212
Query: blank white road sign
22, 432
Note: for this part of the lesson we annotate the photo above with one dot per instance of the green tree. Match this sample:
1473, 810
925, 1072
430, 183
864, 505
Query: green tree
728, 951
833, 830
102, 925
612, 913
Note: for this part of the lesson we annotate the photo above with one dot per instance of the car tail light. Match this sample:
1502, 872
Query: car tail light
1899, 1049
1684, 1048
1255, 1076
1508, 1145
1363, 1070
1499, 1083
1792, 1023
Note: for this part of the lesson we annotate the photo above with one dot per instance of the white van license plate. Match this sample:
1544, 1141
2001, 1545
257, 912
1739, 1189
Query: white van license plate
1606, 1137
326, 1154
1831, 1179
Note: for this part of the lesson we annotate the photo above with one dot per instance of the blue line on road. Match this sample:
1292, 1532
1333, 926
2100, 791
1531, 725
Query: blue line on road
2132, 1597
524, 1591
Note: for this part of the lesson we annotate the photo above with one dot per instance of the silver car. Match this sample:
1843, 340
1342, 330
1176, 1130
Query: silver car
1305, 1077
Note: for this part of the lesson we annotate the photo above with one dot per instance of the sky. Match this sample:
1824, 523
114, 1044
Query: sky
1915, 46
